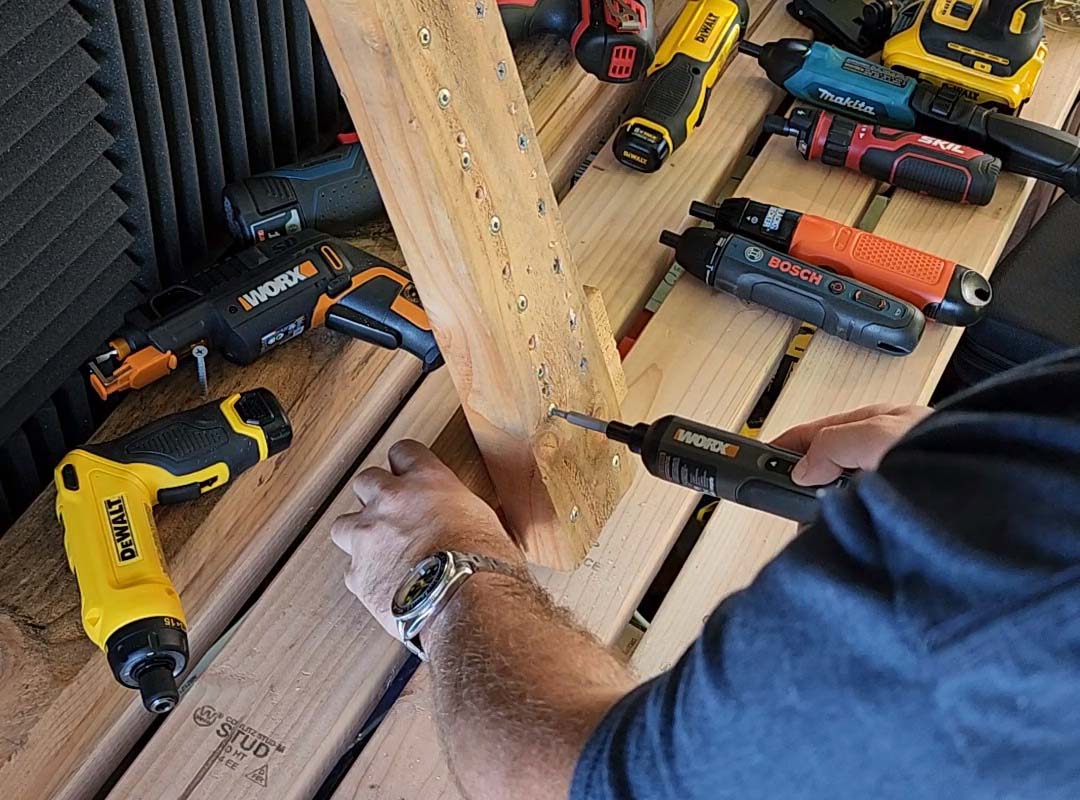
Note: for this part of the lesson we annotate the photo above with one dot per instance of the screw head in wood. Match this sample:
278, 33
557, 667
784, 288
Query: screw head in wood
523, 142
501, 70
541, 207
424, 35
584, 364
573, 320
575, 514
532, 342
522, 302
443, 96
616, 462
495, 225
466, 160
541, 371
479, 9
556, 266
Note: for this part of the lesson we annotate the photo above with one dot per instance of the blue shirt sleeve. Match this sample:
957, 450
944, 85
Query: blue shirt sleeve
921, 640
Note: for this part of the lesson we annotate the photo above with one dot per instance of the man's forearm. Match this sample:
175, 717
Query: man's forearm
518, 688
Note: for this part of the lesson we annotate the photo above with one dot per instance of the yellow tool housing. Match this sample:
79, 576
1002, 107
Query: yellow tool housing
104, 500
991, 50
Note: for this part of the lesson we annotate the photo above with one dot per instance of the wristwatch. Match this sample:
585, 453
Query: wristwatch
428, 587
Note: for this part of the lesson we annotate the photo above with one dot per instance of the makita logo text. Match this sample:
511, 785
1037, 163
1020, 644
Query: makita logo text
941, 144
703, 442
275, 286
117, 514
797, 270
706, 28
846, 102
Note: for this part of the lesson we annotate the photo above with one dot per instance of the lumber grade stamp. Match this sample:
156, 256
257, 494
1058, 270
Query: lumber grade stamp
453, 148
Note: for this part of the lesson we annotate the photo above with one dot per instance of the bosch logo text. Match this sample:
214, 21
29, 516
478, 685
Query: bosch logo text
799, 271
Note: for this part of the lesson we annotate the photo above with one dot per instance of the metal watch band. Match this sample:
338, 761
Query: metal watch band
461, 566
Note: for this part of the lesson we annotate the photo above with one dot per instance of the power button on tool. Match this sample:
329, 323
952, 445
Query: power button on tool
870, 299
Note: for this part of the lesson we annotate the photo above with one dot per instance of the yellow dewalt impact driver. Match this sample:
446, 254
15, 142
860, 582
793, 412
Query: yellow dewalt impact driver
105, 494
678, 84
991, 50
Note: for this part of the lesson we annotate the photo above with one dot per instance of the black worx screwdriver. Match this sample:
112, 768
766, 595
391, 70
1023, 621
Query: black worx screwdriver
714, 462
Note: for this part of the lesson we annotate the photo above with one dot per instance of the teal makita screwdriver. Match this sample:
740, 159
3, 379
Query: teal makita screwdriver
714, 462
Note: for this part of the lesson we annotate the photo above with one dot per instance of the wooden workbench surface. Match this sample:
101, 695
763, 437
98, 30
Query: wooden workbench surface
306, 665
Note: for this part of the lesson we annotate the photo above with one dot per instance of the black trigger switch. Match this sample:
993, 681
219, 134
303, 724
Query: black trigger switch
352, 323
179, 494
338, 284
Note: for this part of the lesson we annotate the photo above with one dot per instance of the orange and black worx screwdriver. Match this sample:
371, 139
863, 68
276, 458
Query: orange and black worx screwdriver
720, 464
947, 292
267, 294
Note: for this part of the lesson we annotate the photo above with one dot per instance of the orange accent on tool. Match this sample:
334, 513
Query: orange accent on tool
401, 306
895, 268
139, 369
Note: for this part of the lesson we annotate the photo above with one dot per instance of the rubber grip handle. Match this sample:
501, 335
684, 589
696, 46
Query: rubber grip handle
926, 165
190, 441
730, 467
1035, 150
524, 19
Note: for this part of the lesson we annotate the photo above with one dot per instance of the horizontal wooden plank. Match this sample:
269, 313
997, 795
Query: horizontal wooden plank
403, 759
303, 670
834, 376
708, 374
64, 728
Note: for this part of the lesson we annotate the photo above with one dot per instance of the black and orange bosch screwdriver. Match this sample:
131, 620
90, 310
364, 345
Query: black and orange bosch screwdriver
947, 292
912, 161
267, 294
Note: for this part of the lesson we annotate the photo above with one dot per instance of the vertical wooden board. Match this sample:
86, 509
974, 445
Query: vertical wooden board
712, 371
450, 140
300, 674
835, 376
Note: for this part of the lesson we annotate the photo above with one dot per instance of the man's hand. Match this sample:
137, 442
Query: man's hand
853, 440
417, 509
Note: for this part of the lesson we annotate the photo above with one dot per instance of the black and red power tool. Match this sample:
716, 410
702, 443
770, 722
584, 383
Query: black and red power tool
906, 159
615, 40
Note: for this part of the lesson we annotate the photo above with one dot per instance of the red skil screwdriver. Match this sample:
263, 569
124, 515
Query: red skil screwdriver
909, 160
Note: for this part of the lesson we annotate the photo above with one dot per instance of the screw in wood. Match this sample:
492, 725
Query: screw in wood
479, 9
522, 302
532, 342
200, 353
506, 272
541, 207
443, 97
541, 371
523, 142
575, 514
573, 320
500, 70
496, 225
584, 364
616, 462
425, 37
556, 266
466, 160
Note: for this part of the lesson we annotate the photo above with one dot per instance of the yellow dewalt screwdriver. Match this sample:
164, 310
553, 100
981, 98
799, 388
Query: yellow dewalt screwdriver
105, 494
678, 84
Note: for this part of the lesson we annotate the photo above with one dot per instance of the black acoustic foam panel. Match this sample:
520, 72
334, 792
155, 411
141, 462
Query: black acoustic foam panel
120, 123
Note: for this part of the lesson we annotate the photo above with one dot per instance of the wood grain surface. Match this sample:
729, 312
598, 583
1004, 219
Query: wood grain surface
835, 376
300, 674
453, 148
64, 721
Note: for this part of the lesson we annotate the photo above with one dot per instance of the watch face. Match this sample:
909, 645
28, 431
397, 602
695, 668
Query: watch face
417, 587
